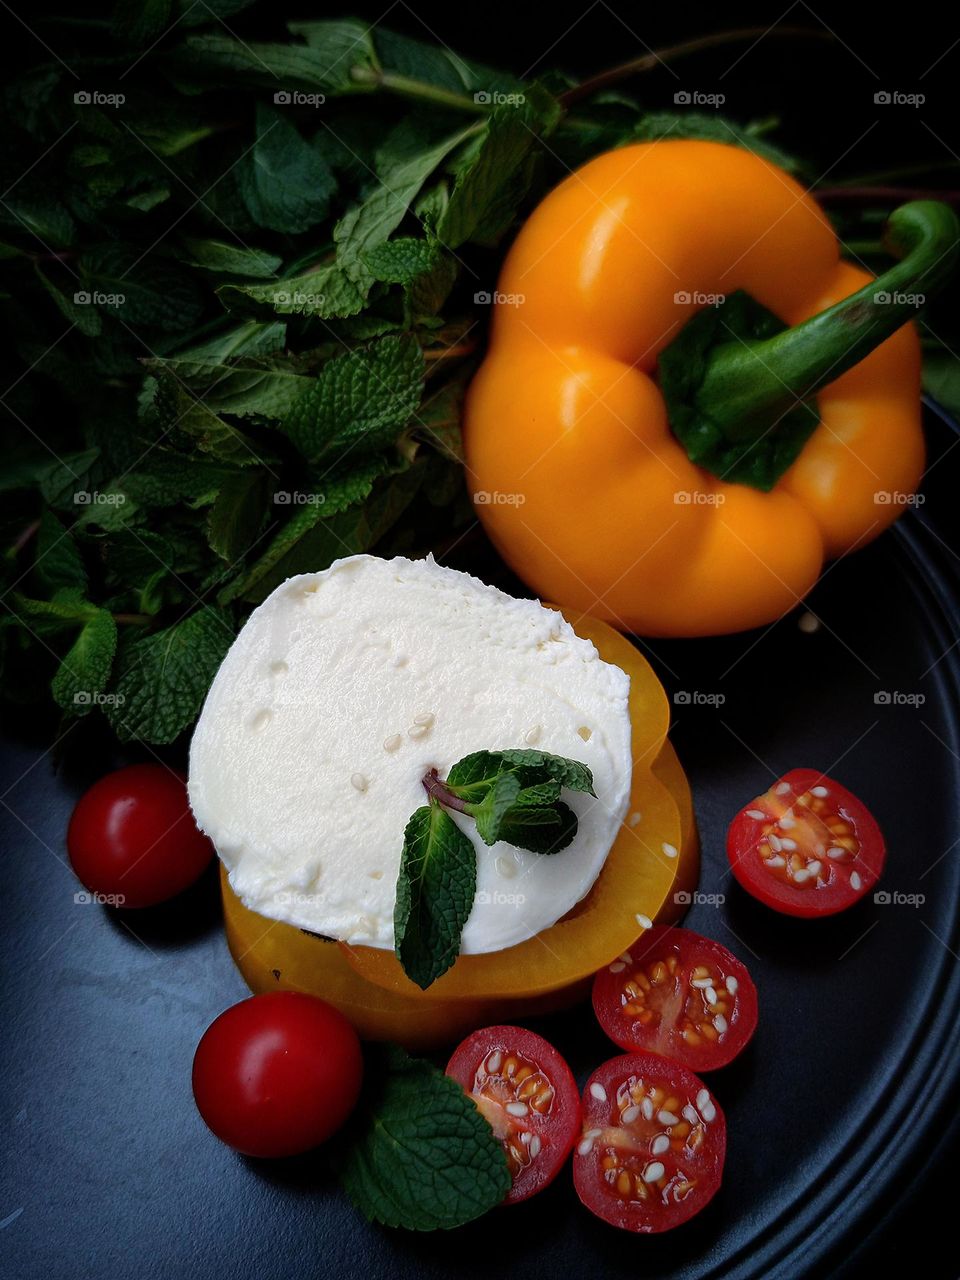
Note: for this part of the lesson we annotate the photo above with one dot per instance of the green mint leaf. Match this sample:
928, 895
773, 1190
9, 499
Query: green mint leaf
403, 164
435, 892
360, 402
569, 773
477, 199
164, 677
84, 672
140, 289
238, 514
165, 479
58, 562
59, 480
417, 1153
430, 204
438, 66
284, 182
439, 418
347, 517
539, 793
480, 768
141, 22
37, 216
147, 200
136, 555
328, 292
229, 259
87, 318
155, 592
118, 512
471, 777
177, 409
339, 45
249, 385
541, 829
400, 261
493, 808
218, 59
67, 608
427, 292
251, 338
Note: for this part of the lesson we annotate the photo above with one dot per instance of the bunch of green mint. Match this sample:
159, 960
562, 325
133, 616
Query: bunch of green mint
244, 287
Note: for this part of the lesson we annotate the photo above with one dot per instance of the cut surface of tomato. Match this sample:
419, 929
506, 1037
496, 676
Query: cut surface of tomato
680, 995
525, 1090
807, 847
653, 1144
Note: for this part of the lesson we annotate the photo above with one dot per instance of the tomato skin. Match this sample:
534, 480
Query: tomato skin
839, 883
133, 838
733, 999
691, 1177
480, 1065
277, 1074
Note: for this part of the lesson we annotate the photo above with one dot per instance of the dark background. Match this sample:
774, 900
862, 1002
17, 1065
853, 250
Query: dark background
822, 92
821, 89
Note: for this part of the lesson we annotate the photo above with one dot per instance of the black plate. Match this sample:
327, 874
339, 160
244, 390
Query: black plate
843, 1110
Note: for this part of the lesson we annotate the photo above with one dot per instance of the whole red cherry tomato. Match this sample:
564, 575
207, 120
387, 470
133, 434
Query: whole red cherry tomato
133, 838
277, 1074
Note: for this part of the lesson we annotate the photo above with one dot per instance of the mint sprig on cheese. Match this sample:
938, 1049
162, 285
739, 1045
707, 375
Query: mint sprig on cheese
435, 892
513, 796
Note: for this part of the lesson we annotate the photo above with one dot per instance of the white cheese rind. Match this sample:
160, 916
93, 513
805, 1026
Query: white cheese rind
297, 776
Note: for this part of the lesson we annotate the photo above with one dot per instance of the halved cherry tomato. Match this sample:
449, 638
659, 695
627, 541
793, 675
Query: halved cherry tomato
653, 1144
278, 1074
133, 838
526, 1091
807, 847
680, 995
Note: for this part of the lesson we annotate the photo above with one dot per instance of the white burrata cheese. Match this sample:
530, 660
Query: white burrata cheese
343, 689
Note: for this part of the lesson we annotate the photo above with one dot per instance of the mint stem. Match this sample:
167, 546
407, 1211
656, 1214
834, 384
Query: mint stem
408, 87
437, 790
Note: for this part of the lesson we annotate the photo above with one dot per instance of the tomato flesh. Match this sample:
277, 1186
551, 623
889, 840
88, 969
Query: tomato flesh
807, 847
277, 1074
678, 994
527, 1093
132, 837
653, 1144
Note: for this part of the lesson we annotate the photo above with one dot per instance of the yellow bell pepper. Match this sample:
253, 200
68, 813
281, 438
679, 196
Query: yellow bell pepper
646, 441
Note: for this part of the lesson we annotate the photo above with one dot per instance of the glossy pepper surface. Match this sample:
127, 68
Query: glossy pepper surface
572, 450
